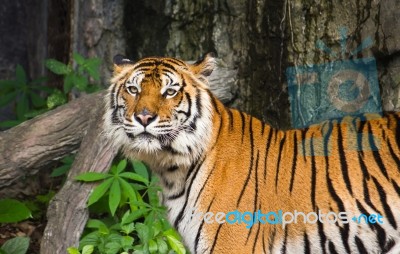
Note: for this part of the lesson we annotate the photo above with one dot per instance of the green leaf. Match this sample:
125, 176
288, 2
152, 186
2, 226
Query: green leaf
173, 241
81, 82
37, 101
112, 247
62, 170
92, 66
143, 232
128, 228
127, 241
69, 82
121, 166
136, 215
134, 176
20, 76
162, 246
7, 98
12, 210
22, 107
153, 248
34, 113
91, 176
57, 98
6, 85
9, 124
141, 169
128, 191
87, 249
115, 196
17, 245
93, 223
57, 67
99, 191
92, 238
78, 58
73, 250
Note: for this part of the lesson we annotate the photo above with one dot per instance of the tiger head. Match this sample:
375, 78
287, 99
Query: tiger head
160, 106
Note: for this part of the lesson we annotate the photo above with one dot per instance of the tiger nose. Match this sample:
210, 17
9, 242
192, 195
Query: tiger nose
145, 117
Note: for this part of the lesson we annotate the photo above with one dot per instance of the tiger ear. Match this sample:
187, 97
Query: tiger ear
204, 66
119, 62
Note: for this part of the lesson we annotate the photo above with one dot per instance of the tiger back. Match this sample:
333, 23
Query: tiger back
233, 184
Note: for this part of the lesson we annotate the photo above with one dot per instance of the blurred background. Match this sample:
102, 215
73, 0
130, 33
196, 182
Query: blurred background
257, 38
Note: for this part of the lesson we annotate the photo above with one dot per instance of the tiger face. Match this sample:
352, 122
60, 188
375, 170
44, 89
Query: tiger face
159, 105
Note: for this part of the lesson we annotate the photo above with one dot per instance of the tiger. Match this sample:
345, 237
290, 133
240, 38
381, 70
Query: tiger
339, 178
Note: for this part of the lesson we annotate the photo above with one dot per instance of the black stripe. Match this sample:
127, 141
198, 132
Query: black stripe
364, 211
198, 103
230, 116
256, 238
396, 187
307, 244
367, 198
262, 128
375, 152
269, 138
169, 66
176, 61
342, 159
281, 143
204, 184
242, 117
255, 194
284, 240
322, 236
112, 93
194, 169
177, 195
313, 173
263, 241
385, 205
397, 133
393, 154
272, 240
145, 64
332, 249
196, 241
216, 238
360, 246
326, 139
173, 168
213, 102
294, 162
251, 162
189, 112
344, 232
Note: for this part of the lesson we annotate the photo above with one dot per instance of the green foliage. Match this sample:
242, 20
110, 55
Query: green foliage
28, 97
12, 210
66, 164
23, 96
79, 78
16, 245
39, 204
136, 221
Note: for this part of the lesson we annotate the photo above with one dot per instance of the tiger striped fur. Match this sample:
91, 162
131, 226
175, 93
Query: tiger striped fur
215, 159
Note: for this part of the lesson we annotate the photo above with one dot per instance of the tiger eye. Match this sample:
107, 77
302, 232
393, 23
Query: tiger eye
170, 92
132, 90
